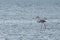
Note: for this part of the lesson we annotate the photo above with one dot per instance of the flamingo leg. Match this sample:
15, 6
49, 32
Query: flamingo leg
45, 26
41, 25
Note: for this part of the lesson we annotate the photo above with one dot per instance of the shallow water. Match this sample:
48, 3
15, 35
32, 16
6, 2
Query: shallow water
17, 19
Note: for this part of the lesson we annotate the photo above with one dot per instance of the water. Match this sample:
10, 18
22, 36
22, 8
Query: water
17, 19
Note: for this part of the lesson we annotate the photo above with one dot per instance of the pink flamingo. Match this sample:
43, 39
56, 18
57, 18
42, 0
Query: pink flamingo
42, 21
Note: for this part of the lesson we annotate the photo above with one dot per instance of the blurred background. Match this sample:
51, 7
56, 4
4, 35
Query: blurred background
17, 19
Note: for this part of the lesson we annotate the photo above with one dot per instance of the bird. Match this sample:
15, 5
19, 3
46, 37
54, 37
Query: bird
42, 21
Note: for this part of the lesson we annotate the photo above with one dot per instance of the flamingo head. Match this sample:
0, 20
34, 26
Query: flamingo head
37, 17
